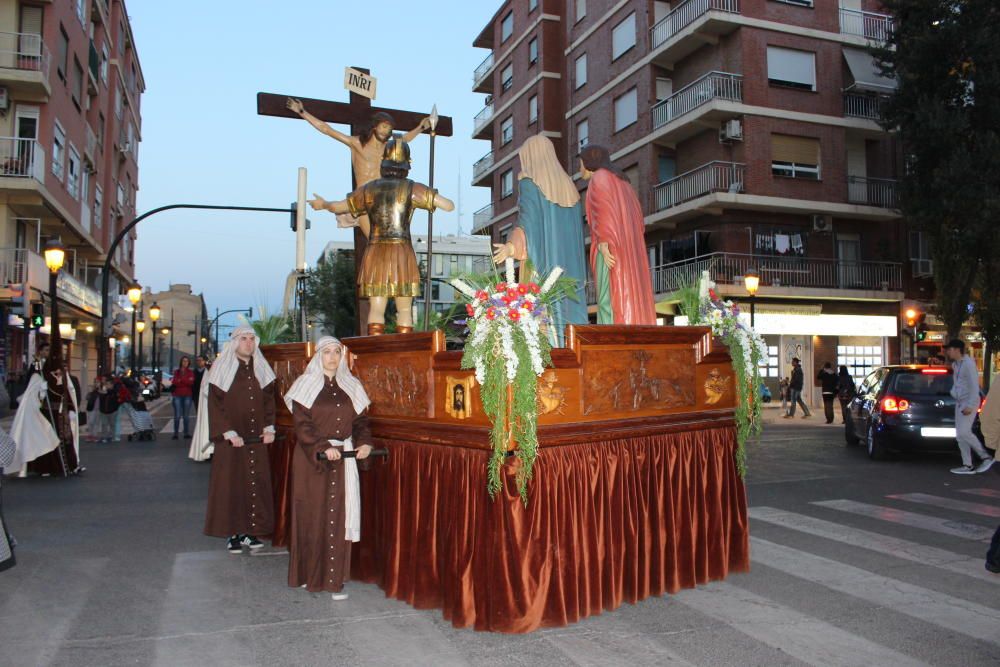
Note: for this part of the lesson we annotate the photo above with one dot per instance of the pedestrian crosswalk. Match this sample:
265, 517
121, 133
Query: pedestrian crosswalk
916, 556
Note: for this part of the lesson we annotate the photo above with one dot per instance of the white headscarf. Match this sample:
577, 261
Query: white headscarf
540, 164
307, 387
223, 371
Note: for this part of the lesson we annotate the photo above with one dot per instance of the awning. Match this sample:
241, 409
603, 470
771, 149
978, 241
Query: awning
865, 72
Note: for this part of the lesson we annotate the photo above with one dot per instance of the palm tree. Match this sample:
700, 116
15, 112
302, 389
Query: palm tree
272, 329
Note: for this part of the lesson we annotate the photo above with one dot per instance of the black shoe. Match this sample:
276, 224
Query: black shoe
252, 542
174, 437
993, 568
233, 545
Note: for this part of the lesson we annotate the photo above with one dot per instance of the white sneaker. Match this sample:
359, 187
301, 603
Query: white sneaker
985, 465
964, 470
339, 596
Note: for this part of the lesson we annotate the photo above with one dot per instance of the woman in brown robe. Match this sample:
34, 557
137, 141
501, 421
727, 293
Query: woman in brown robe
328, 406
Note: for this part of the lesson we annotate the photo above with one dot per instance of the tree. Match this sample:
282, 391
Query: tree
272, 329
946, 110
329, 293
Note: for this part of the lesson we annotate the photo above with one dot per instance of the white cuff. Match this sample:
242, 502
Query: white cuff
229, 435
269, 429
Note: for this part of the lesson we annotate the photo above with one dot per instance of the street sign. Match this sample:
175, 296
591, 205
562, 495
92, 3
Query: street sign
358, 82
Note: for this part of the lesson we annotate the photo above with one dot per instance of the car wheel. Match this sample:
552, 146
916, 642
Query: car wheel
849, 435
876, 448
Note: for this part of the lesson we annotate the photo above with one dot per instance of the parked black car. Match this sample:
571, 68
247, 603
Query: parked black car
904, 408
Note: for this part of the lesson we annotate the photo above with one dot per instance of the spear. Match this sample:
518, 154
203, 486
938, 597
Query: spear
430, 228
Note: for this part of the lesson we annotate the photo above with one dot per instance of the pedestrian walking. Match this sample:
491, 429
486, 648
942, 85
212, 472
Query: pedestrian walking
240, 418
783, 391
828, 381
200, 366
329, 408
965, 391
182, 391
795, 385
846, 391
107, 410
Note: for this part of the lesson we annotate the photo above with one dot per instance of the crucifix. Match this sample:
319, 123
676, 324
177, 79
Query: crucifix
357, 114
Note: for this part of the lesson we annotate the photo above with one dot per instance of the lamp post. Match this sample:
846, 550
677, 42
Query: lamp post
751, 280
154, 315
168, 331
140, 327
55, 255
134, 296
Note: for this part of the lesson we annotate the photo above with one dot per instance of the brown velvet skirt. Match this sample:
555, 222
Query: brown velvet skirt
389, 268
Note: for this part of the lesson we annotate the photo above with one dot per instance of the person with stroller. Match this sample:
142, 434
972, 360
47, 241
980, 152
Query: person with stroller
183, 390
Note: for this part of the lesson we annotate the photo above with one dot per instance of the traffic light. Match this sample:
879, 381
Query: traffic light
293, 211
911, 317
37, 315
921, 332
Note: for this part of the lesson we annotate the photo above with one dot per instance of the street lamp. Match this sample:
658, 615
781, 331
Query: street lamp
154, 315
140, 327
55, 254
134, 296
751, 280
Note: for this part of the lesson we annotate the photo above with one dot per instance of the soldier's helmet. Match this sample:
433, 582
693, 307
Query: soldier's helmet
396, 154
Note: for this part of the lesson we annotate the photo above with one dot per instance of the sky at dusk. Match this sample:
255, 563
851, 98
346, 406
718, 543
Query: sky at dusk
203, 142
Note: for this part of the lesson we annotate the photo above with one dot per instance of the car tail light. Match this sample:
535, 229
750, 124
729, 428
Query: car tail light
935, 371
893, 404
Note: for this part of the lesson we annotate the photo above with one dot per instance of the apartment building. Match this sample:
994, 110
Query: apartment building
182, 330
749, 130
70, 126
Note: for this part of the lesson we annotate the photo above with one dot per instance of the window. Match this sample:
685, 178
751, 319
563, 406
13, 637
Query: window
118, 102
801, 3
795, 157
100, 132
580, 78
76, 83
533, 109
58, 151
121, 40
105, 57
623, 37
920, 255
435, 292
794, 69
582, 133
73, 173
85, 192
507, 183
769, 366
626, 110
861, 361
532, 5
533, 51
98, 205
81, 11
62, 64
507, 77
581, 9
438, 265
507, 27
507, 131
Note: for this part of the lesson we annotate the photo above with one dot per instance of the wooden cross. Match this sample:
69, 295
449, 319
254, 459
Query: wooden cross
357, 114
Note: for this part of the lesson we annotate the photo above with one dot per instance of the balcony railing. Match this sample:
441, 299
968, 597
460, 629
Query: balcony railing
879, 192
778, 271
13, 266
711, 177
482, 165
482, 217
876, 27
482, 118
687, 13
24, 51
859, 105
92, 146
482, 69
22, 158
712, 86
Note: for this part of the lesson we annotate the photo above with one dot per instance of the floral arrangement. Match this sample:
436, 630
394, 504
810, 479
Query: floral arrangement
508, 348
746, 348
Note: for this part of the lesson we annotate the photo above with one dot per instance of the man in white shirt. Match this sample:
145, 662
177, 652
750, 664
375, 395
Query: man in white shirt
965, 391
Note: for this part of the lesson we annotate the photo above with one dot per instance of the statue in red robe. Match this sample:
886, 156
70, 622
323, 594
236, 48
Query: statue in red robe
618, 256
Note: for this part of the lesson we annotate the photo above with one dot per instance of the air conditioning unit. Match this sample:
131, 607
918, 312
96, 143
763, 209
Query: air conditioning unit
822, 223
732, 130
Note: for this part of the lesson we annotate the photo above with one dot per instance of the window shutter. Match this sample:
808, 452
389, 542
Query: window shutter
798, 150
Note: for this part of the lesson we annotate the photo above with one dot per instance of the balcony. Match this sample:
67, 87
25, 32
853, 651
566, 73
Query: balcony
781, 272
24, 63
482, 122
100, 13
91, 149
93, 70
873, 27
480, 79
689, 26
879, 192
482, 217
481, 167
860, 105
703, 180
21, 159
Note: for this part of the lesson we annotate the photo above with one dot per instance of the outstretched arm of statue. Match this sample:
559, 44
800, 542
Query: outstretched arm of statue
320, 204
515, 247
424, 125
443, 203
297, 107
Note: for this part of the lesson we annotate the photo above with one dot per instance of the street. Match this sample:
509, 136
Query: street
854, 563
